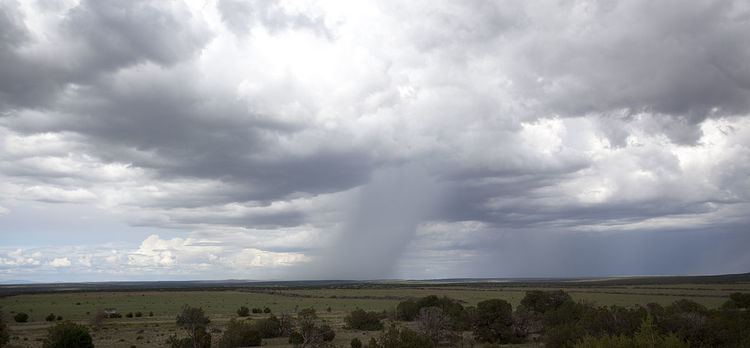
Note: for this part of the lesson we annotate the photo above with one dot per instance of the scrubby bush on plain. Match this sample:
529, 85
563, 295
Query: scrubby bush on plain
359, 319
194, 321
243, 311
68, 335
240, 334
21, 317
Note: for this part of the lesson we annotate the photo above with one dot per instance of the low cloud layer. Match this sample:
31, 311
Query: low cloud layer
315, 139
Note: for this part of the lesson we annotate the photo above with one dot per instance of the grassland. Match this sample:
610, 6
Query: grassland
220, 305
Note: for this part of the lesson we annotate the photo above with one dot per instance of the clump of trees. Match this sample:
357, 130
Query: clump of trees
359, 319
554, 318
409, 310
68, 334
647, 335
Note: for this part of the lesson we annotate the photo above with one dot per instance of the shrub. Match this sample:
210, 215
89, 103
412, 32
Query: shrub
50, 317
543, 301
257, 311
243, 311
194, 321
402, 338
358, 319
266, 310
646, 336
239, 334
407, 310
327, 333
286, 324
435, 325
314, 332
150, 314
296, 338
201, 337
59, 317
66, 335
138, 314
4, 334
268, 328
740, 300
355, 343
129, 315
493, 322
21, 317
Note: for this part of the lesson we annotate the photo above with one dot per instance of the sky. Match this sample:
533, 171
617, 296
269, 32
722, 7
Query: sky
233, 139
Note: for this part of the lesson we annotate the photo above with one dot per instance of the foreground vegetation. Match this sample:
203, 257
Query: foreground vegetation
588, 315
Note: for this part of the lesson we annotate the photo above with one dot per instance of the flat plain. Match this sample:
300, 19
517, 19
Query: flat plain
331, 301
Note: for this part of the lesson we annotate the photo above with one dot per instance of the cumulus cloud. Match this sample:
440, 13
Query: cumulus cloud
254, 130
60, 262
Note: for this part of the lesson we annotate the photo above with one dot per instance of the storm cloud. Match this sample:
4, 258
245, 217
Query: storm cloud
318, 139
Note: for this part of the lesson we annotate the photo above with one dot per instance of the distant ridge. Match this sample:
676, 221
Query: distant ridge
236, 284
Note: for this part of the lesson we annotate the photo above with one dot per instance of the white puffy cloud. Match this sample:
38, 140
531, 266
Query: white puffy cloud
60, 262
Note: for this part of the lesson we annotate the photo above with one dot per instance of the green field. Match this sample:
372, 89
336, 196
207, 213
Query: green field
221, 306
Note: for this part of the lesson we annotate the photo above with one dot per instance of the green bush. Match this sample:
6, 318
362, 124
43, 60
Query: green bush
50, 317
268, 328
202, 338
401, 338
407, 310
243, 311
68, 335
358, 319
544, 301
240, 334
194, 321
21, 317
493, 322
647, 336
355, 343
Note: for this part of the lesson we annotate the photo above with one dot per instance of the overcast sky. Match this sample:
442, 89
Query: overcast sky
385, 139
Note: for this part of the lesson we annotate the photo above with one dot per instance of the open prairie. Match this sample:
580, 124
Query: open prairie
332, 302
